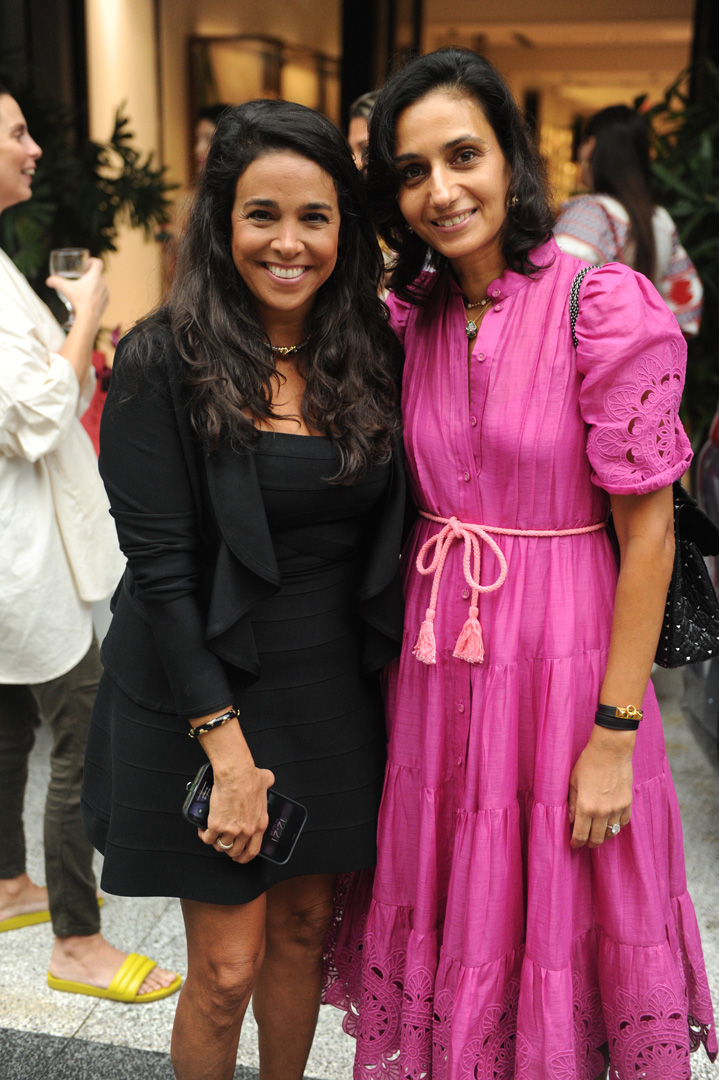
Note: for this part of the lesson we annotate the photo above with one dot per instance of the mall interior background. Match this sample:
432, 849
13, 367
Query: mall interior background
163, 58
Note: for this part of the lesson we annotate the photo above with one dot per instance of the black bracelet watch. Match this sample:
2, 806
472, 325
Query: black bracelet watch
618, 718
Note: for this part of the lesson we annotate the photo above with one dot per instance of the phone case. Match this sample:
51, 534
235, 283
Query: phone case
287, 817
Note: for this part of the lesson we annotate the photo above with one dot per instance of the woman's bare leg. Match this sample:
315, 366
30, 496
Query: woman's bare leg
225, 946
286, 998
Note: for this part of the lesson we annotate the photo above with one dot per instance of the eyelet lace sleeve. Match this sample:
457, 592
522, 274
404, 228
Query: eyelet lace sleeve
633, 359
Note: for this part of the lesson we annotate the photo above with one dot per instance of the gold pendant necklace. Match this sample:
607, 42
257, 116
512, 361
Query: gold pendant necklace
471, 326
287, 350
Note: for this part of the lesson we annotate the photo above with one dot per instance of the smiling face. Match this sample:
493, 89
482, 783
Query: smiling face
285, 234
18, 154
454, 179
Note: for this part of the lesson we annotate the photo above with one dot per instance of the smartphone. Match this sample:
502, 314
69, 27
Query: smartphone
287, 817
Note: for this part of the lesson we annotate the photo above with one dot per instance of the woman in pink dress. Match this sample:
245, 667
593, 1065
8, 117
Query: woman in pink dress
529, 916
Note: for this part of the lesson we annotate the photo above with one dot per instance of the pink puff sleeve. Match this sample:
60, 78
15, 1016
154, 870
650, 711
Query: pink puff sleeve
632, 356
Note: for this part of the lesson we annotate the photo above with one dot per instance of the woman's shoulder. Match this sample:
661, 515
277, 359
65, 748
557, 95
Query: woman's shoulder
149, 333
149, 345
616, 277
592, 203
147, 363
621, 310
663, 222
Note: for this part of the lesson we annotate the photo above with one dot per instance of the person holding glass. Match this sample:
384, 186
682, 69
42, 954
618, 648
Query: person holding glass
248, 448
529, 912
58, 555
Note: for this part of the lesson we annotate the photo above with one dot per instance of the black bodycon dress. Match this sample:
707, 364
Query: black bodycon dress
313, 716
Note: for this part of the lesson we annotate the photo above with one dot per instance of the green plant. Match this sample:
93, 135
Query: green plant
685, 138
82, 192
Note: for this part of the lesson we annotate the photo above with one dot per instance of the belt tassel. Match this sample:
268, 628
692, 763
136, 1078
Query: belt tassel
470, 643
426, 647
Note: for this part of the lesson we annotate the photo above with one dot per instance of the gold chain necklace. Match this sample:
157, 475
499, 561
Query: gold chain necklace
471, 326
287, 350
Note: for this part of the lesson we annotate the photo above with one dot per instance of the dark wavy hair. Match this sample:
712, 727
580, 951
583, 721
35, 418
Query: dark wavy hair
350, 363
463, 72
620, 167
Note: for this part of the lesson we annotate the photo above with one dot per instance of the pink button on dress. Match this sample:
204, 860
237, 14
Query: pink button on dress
489, 948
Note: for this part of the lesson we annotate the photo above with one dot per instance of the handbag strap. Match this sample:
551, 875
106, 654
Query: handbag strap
574, 300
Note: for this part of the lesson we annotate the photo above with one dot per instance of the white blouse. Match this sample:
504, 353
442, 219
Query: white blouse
58, 549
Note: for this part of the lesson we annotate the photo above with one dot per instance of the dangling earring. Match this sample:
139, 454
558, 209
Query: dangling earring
513, 202
410, 229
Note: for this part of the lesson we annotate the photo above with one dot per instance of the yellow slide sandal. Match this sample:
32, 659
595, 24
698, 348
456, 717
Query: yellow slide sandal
17, 922
125, 985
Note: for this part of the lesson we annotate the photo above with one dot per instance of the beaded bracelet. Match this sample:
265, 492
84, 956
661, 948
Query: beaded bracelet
617, 718
216, 722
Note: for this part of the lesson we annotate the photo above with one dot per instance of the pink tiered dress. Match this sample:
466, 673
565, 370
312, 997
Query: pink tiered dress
488, 948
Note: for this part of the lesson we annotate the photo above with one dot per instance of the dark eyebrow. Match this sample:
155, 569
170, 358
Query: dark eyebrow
273, 205
447, 146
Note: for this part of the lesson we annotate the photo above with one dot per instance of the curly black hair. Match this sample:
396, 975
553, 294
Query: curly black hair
460, 71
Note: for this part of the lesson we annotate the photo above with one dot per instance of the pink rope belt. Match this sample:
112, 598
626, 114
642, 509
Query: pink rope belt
470, 645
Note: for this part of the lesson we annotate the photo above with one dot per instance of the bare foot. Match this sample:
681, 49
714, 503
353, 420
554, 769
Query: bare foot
20, 896
94, 961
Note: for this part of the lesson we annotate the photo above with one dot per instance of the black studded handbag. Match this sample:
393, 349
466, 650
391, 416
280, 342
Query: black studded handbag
690, 630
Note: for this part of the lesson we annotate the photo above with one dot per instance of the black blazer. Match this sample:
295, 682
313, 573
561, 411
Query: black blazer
199, 552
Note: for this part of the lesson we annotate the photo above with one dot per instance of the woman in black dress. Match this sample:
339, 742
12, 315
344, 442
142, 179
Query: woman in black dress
248, 450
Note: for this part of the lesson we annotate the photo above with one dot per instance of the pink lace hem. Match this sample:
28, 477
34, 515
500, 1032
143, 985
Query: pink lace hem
418, 1014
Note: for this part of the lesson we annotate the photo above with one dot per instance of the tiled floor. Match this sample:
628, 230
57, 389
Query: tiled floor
69, 1037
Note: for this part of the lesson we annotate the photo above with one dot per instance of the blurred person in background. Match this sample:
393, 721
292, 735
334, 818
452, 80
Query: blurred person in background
358, 130
170, 234
357, 136
58, 554
619, 220
205, 128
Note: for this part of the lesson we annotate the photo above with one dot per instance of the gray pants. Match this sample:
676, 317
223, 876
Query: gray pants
66, 704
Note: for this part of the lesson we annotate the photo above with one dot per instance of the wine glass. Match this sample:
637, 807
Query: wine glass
69, 263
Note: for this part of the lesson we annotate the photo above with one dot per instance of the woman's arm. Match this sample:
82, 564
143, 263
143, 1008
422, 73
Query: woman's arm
600, 787
41, 371
145, 471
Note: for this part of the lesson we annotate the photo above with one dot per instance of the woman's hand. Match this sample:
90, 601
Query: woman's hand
238, 812
89, 297
89, 294
600, 787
